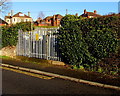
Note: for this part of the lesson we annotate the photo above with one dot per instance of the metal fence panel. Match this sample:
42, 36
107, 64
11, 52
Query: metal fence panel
40, 43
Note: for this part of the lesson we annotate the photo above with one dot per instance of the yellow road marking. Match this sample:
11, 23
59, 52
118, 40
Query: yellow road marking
27, 73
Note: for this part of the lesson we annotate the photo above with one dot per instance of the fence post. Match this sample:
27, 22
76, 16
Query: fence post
17, 47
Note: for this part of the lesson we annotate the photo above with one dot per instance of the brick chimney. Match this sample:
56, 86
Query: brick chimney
29, 14
11, 12
76, 14
85, 12
95, 11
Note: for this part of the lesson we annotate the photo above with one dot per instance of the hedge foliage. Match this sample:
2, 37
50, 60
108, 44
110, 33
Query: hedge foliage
86, 41
25, 26
9, 36
10, 33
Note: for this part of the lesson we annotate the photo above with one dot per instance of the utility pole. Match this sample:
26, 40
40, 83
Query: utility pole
66, 11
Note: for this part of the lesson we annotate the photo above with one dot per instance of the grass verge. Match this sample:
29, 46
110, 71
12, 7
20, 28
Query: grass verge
5, 57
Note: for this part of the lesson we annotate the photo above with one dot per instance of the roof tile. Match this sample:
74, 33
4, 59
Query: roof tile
18, 15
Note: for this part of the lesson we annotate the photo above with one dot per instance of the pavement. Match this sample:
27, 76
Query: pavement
64, 73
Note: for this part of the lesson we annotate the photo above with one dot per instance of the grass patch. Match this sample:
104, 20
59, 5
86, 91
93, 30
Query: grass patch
46, 26
28, 60
34, 60
5, 57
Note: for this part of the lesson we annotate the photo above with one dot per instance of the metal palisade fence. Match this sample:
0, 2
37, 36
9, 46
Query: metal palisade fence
40, 43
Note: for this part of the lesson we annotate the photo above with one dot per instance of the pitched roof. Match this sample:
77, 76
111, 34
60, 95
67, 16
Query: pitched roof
92, 14
2, 21
111, 15
49, 17
39, 18
21, 15
56, 16
8, 17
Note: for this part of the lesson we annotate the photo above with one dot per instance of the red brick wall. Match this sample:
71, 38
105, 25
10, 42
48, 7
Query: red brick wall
2, 24
49, 22
42, 24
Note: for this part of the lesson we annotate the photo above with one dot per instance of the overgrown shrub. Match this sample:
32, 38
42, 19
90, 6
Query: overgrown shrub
72, 46
10, 33
9, 36
68, 20
100, 38
24, 26
86, 41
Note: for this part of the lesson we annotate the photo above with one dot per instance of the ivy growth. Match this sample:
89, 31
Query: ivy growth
86, 41
10, 33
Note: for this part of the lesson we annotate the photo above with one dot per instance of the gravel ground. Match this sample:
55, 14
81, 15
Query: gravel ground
8, 51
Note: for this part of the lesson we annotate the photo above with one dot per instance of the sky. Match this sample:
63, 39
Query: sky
51, 8
65, 0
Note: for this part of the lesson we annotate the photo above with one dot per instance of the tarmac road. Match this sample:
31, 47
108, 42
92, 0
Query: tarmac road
17, 82
62, 70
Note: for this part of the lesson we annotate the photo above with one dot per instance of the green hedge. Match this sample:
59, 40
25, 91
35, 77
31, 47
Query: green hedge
9, 36
10, 33
86, 41
100, 35
25, 26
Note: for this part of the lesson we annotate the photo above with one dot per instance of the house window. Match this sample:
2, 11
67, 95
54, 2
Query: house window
19, 20
48, 20
7, 20
22, 20
26, 20
21, 14
14, 19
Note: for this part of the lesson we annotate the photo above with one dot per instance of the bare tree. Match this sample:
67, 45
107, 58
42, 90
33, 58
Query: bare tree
4, 6
41, 15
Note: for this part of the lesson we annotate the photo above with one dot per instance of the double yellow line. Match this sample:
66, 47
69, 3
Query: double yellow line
28, 73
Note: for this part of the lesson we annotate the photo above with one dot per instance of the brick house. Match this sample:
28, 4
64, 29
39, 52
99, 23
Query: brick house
2, 22
49, 21
17, 18
90, 14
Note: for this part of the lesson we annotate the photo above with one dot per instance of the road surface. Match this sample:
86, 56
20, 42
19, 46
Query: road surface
20, 82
